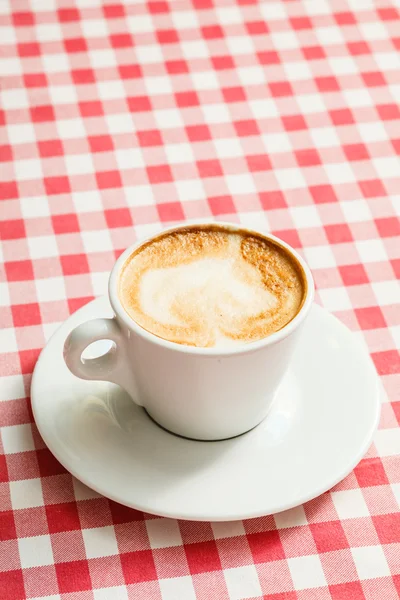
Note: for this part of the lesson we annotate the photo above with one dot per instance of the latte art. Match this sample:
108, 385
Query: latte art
211, 287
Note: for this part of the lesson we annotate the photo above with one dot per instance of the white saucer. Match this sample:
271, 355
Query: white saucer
319, 427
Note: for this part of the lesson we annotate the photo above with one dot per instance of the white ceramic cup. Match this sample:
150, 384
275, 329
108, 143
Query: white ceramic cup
200, 393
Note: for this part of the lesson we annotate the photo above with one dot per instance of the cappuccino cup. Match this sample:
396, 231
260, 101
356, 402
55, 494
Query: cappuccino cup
206, 317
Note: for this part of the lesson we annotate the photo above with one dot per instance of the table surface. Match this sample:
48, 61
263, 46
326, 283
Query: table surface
120, 118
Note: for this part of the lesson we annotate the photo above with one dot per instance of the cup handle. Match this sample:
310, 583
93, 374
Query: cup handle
112, 366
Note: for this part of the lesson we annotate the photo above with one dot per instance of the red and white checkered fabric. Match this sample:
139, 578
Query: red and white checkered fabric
119, 117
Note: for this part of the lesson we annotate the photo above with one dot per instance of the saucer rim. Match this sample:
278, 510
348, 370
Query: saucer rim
368, 438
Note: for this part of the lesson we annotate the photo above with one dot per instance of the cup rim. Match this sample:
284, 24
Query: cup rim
246, 348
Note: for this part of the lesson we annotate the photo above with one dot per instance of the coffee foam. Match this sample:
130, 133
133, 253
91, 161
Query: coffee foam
211, 287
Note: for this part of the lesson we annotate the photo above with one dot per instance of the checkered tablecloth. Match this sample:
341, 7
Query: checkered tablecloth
117, 118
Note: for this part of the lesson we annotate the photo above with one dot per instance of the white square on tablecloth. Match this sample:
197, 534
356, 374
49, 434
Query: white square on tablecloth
329, 35
371, 250
71, 129
169, 118
100, 283
119, 123
205, 81
291, 518
252, 75
110, 89
8, 340
285, 40
100, 541
185, 19
343, 65
335, 299
26, 493
179, 153
311, 104
54, 63
149, 53
129, 158
78, 164
14, 98
374, 30
320, 257
140, 24
306, 572
42, 246
228, 148
9, 66
12, 386
290, 179
21, 133
159, 85
306, 216
350, 504
96, 241
28, 169
96, 28
216, 113
50, 289
239, 45
195, 49
355, 98
372, 132
63, 94
103, 58
35, 551
276, 142
17, 438
242, 582
227, 529
111, 593
370, 562
387, 60
229, 15
34, 207
387, 442
340, 173
301, 70
190, 190
265, 109
139, 195
387, 166
356, 211
89, 201
325, 137
256, 220
240, 184
177, 588
396, 492
273, 11
163, 533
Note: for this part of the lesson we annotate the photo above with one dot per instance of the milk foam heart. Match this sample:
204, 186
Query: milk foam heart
211, 287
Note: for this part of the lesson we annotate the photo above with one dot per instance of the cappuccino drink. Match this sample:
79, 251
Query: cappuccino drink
211, 287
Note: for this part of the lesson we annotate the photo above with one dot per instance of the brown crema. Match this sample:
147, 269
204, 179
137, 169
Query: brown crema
209, 286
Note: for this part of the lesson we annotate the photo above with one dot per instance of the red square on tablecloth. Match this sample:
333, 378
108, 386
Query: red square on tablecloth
370, 471
19, 270
138, 566
329, 536
203, 557
347, 591
7, 526
62, 517
12, 585
26, 314
73, 576
265, 546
